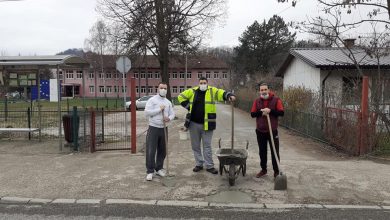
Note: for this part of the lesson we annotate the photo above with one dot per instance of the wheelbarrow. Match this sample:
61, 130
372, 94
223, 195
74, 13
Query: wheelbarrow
232, 161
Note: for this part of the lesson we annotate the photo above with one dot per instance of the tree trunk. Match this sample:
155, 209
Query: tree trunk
162, 44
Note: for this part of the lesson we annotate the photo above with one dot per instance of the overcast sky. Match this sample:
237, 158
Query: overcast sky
46, 27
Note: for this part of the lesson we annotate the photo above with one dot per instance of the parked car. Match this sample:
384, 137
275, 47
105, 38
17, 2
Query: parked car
139, 103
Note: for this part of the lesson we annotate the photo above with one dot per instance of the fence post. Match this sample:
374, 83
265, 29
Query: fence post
6, 107
133, 118
29, 121
364, 116
102, 125
93, 131
75, 133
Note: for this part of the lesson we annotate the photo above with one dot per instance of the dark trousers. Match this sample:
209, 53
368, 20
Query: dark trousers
262, 139
155, 143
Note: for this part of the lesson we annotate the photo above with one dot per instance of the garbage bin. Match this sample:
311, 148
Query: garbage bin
67, 121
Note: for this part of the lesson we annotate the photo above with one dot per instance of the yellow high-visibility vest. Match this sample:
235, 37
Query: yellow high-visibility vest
212, 95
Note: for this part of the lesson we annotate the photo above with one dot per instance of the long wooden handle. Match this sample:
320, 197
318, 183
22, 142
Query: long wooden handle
232, 105
272, 141
165, 140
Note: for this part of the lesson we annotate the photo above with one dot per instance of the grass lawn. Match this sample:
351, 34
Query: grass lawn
15, 105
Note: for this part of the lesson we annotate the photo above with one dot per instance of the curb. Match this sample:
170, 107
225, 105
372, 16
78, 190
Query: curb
192, 204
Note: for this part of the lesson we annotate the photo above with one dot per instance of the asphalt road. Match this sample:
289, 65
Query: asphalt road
103, 211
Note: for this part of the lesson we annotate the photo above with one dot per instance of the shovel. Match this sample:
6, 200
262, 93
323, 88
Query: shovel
281, 179
168, 179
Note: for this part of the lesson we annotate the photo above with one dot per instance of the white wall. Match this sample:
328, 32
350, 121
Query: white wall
302, 74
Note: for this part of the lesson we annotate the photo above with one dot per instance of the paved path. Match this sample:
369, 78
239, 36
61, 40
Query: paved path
316, 173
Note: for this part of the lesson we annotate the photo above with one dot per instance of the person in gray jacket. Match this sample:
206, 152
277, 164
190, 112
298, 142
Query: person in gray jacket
154, 110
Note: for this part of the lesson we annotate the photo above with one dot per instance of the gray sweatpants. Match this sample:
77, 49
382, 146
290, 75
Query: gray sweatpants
155, 144
198, 134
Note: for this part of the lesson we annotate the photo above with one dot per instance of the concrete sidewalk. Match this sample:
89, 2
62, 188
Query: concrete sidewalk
316, 173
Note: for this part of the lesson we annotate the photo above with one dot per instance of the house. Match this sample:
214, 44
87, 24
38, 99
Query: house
332, 71
102, 79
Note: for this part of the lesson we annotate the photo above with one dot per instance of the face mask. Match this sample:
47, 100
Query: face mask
203, 87
162, 92
264, 95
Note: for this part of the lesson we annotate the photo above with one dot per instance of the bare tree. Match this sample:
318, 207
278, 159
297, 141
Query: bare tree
163, 27
98, 43
375, 8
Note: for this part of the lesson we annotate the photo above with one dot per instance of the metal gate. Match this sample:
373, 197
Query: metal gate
110, 130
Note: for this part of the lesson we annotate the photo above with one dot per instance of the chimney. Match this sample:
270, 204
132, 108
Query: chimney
349, 43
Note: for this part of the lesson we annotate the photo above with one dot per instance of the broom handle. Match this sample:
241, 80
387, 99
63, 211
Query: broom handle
231, 103
273, 143
165, 140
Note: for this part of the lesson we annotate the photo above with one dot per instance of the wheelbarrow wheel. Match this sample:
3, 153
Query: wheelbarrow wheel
232, 174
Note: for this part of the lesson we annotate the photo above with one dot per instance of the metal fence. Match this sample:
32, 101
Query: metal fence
98, 128
339, 127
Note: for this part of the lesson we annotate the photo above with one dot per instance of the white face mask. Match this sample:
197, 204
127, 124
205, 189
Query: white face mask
264, 95
162, 92
203, 87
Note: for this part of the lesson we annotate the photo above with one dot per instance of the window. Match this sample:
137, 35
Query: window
108, 75
150, 89
150, 75
200, 75
174, 89
189, 75
108, 89
125, 89
352, 87
101, 75
156, 89
189, 87
91, 89
182, 75
116, 89
136, 75
143, 89
208, 75
157, 75
174, 75
216, 75
79, 74
69, 74
136, 89
224, 75
101, 89
143, 75
181, 89
91, 75
386, 90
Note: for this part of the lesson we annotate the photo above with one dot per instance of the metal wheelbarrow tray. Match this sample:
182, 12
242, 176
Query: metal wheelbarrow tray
232, 162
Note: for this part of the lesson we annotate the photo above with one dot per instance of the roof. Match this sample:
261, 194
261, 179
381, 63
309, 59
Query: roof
193, 62
61, 60
333, 58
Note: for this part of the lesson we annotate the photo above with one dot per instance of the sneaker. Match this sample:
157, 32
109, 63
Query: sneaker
276, 174
197, 169
161, 173
149, 176
212, 170
261, 173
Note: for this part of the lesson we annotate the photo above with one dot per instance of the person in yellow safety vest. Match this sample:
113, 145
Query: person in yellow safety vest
201, 119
